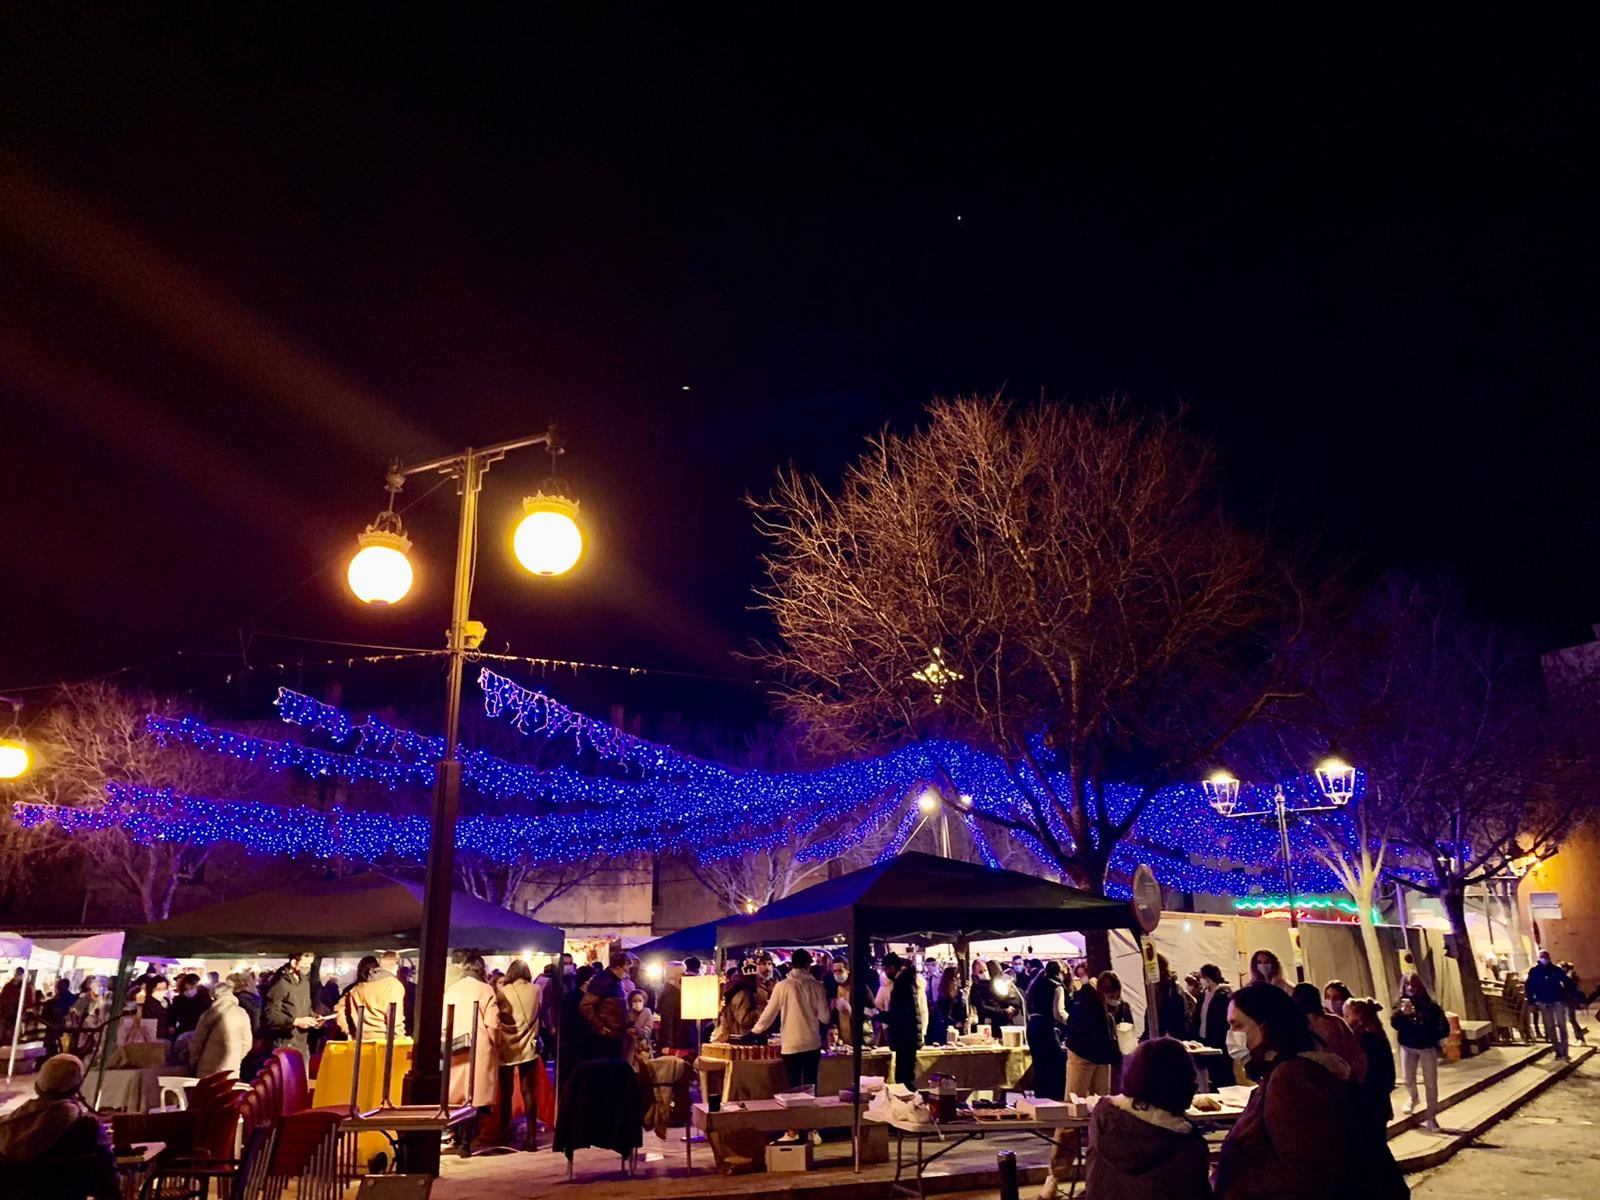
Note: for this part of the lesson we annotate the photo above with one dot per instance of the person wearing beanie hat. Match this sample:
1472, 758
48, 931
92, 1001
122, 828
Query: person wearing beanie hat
52, 1145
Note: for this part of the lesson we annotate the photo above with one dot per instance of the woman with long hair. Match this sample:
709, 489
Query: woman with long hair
1266, 967
1378, 1085
1331, 1031
519, 1050
1303, 1134
949, 1007
1420, 1025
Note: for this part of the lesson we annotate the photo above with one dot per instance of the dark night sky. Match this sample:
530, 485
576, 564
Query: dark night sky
244, 260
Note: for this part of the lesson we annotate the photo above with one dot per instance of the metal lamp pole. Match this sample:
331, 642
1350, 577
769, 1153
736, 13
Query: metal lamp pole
427, 1080
1336, 780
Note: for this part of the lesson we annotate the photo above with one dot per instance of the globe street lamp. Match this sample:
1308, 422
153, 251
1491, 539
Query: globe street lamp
1336, 781
547, 542
15, 757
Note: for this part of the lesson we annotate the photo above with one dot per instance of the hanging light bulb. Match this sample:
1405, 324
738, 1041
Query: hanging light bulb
14, 758
380, 572
548, 540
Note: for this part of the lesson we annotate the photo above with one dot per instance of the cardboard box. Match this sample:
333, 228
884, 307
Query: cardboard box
1046, 1112
789, 1156
1013, 1036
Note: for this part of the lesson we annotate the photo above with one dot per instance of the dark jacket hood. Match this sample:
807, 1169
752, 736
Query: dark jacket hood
1138, 1141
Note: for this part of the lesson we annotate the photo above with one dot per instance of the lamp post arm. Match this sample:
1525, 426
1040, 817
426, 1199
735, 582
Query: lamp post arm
485, 454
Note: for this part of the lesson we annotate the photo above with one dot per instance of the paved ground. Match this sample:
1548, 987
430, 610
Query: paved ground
1547, 1150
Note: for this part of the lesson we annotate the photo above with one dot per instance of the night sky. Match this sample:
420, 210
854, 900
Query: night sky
247, 259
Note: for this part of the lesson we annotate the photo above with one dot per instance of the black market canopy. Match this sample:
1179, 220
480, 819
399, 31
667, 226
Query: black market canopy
925, 898
357, 913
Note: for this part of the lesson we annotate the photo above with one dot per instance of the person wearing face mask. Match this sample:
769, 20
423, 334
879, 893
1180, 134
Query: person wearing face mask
1547, 986
1331, 1031
1265, 967
1047, 1025
1334, 996
1420, 1025
841, 1016
1304, 1133
1211, 1023
638, 1037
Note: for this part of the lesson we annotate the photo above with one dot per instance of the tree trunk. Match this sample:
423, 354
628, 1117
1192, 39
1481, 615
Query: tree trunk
1088, 872
1454, 897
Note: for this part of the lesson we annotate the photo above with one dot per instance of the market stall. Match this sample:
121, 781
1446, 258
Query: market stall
364, 913
922, 898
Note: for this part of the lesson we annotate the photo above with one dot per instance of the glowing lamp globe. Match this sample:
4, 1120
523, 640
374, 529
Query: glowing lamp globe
14, 760
380, 572
547, 540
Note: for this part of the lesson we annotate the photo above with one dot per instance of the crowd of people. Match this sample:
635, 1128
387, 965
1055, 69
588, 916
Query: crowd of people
1315, 1124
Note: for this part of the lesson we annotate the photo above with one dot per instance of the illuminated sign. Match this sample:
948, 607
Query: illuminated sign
1307, 908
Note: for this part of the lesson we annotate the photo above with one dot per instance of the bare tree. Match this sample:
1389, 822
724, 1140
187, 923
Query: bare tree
93, 734
1445, 716
1056, 585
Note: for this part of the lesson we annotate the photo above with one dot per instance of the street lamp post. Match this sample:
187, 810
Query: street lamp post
547, 542
1335, 780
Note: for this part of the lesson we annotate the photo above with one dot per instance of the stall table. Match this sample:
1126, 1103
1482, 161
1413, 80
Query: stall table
134, 1166
980, 1068
761, 1117
764, 1078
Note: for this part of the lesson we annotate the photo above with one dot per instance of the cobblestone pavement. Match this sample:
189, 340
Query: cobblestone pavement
1549, 1149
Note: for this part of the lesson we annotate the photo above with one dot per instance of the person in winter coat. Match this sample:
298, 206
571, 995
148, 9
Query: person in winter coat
519, 1044
603, 1010
799, 1007
638, 1037
222, 1038
1303, 1134
994, 998
743, 1000
187, 1006
377, 986
1047, 1025
1172, 1003
157, 1006
1377, 1086
1420, 1025
52, 1146
572, 1037
1211, 1024
1141, 1147
1547, 986
948, 1016
1091, 1036
1331, 1031
904, 1005
478, 1076
286, 1004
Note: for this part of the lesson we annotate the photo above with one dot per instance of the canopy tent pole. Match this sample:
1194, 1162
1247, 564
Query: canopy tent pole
22, 1000
119, 996
857, 1023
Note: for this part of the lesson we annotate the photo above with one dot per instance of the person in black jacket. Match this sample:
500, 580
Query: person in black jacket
1091, 1036
1420, 1025
286, 1004
1047, 1022
1377, 1085
1211, 1024
1172, 1012
907, 1017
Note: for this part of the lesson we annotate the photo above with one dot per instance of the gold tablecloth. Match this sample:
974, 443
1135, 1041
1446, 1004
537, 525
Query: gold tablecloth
980, 1067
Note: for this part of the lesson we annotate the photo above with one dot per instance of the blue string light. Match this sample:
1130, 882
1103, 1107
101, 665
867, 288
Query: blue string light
686, 804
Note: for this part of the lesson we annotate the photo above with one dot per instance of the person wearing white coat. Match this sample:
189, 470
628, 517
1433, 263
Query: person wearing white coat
222, 1036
